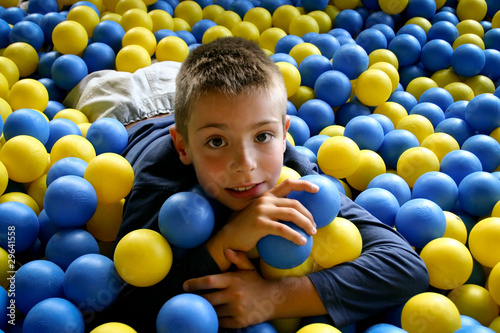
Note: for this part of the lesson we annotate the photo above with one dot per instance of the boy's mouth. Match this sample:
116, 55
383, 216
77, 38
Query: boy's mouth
242, 188
245, 192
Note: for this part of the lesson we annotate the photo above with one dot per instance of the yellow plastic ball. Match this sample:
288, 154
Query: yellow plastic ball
336, 243
136, 18
269, 38
324, 21
494, 283
495, 325
110, 5
140, 36
37, 189
460, 91
440, 3
70, 37
390, 70
72, 146
283, 16
496, 210
301, 51
84, 127
4, 178
471, 10
419, 85
421, 22
392, 110
76, 116
333, 130
215, 32
303, 94
339, 156
448, 262
346, 4
483, 241
455, 227
190, 11
111, 175
370, 166
286, 324
272, 273
290, 139
24, 56
112, 17
86, 16
287, 173
6, 265
5, 109
393, 7
246, 30
24, 157
291, 76
260, 17
332, 11
105, 223
9, 3
440, 143
4, 87
161, 20
180, 24
468, 39
122, 6
99, 5
495, 21
417, 124
383, 55
9, 69
414, 162
210, 12
131, 58
22, 198
470, 26
318, 328
430, 312
143, 257
444, 77
172, 48
38, 95
480, 84
303, 24
113, 328
475, 301
373, 87
227, 19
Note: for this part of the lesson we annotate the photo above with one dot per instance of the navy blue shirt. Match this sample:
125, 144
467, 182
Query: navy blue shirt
387, 273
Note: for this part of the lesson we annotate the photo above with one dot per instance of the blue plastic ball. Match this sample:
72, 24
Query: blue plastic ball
408, 73
366, 132
241, 7
416, 31
70, 201
483, 113
110, 33
406, 48
270, 5
486, 148
54, 315
491, 68
421, 8
312, 67
371, 40
478, 193
469, 321
474, 329
162, 33
48, 22
349, 111
491, 39
27, 122
67, 70
379, 17
436, 55
324, 205
58, 128
191, 311
199, 28
468, 60
444, 15
386, 29
55, 93
333, 80
456, 110
66, 166
107, 135
317, 114
286, 43
99, 56
380, 203
339, 32
460, 163
203, 3
327, 44
45, 63
420, 221
264, 327
47, 227
19, 221
311, 5
277, 57
458, 128
68, 244
43, 6
438, 187
404, 98
27, 32
384, 121
350, 59
314, 142
291, 109
394, 144
92, 282
186, 36
394, 184
186, 219
308, 37
13, 15
350, 20
443, 30
311, 156
299, 130
162, 5
438, 96
88, 4
35, 281
4, 33
430, 111
345, 40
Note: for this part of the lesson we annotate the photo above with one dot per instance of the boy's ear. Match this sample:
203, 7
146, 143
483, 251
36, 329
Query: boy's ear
287, 126
180, 145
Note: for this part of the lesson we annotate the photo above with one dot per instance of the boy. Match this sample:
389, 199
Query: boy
229, 137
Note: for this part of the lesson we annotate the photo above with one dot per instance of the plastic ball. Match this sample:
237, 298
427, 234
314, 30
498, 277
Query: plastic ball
60, 128
246, 30
4, 178
483, 113
441, 144
494, 283
269, 38
350, 59
339, 156
390, 70
317, 114
476, 302
24, 56
106, 221
436, 55
365, 87
383, 55
66, 166
333, 80
370, 166
113, 326
136, 17
349, 20
443, 30
438, 96
131, 58
472, 9
435, 308
430, 111
260, 17
28, 87
143, 257
140, 36
318, 328
467, 60
190, 11
107, 135
67, 70
86, 16
24, 157
20, 219
172, 48
56, 94
67, 244
193, 311
27, 32
393, 110
56, 315
460, 163
394, 184
70, 37
200, 27
456, 110
312, 67
457, 128
406, 48
486, 148
99, 56
480, 84
27, 122
110, 33
299, 130
366, 132
291, 76
479, 192
383, 327
380, 203
482, 241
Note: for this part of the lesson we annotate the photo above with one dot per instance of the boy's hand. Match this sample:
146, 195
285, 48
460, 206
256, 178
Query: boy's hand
242, 298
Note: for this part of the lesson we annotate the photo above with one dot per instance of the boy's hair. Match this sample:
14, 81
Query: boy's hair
228, 65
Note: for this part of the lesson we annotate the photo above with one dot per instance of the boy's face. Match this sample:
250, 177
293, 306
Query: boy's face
236, 146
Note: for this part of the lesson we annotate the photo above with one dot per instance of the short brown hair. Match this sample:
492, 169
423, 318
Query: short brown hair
228, 65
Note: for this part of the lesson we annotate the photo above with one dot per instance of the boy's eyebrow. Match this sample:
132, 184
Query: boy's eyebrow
225, 126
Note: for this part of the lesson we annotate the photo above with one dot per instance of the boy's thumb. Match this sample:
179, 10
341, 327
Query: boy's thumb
239, 259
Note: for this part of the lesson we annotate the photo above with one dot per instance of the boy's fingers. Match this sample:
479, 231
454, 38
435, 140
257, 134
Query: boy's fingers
217, 281
239, 259
290, 185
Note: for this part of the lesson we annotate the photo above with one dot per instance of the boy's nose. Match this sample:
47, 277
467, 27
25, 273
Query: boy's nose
243, 160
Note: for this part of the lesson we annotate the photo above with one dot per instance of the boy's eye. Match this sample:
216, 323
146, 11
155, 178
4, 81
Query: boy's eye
263, 137
216, 143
